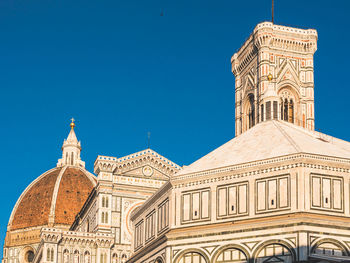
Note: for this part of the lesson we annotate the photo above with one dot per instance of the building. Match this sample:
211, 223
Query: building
51, 200
70, 215
277, 192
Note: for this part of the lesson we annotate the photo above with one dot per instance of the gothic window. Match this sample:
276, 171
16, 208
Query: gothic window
274, 253
87, 258
48, 254
251, 111
106, 201
275, 107
268, 110
291, 112
114, 258
76, 256
285, 110
192, 257
124, 258
287, 106
66, 256
231, 255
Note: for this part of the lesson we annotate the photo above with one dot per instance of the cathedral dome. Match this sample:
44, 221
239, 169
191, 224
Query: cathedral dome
54, 198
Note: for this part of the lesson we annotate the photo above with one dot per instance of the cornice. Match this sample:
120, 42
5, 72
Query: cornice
261, 167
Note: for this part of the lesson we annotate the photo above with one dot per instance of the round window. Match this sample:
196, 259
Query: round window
29, 256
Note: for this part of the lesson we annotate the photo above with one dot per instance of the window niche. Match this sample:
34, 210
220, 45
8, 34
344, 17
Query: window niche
195, 206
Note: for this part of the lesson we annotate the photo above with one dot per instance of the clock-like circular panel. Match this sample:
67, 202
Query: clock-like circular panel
147, 171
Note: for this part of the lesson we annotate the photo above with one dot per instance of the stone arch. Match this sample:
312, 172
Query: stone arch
274, 250
202, 256
87, 257
329, 246
289, 104
159, 260
114, 258
65, 256
249, 111
123, 257
27, 254
222, 249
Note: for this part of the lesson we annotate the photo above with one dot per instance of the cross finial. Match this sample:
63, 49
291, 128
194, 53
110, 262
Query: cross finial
72, 124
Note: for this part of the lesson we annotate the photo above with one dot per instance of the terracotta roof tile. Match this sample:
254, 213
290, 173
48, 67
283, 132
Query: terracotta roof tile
34, 208
74, 189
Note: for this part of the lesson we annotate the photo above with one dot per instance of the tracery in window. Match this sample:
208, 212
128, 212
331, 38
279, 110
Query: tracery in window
287, 106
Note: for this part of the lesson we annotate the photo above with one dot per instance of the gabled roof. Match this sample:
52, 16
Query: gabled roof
129, 162
267, 140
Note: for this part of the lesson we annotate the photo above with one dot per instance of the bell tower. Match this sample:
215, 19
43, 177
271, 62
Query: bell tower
274, 77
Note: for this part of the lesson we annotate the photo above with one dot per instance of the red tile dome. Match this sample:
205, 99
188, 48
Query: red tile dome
53, 199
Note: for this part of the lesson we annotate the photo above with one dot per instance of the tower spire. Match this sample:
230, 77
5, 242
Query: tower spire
71, 149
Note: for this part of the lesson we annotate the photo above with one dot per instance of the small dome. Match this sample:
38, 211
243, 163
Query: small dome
53, 199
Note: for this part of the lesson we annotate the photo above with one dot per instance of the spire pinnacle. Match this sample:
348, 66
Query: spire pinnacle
71, 149
72, 124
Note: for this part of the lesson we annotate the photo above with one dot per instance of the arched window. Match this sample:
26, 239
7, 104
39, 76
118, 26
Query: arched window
76, 256
274, 253
106, 201
115, 258
251, 111
48, 254
66, 256
291, 111
52, 254
103, 201
287, 106
124, 258
329, 249
231, 255
103, 217
106, 217
192, 257
87, 258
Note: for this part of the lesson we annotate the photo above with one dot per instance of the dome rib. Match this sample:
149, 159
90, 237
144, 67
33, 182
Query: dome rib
54, 196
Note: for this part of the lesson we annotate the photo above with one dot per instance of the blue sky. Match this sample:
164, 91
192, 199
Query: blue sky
121, 70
